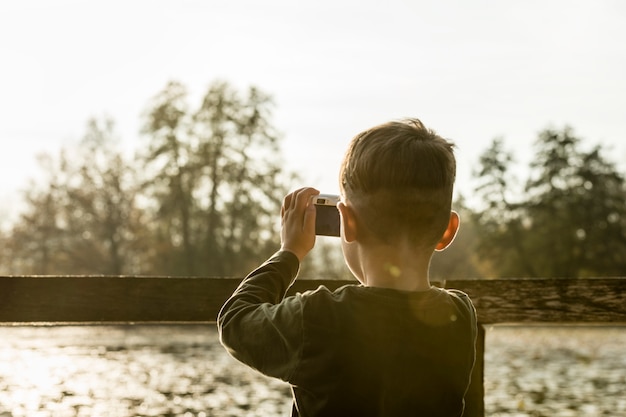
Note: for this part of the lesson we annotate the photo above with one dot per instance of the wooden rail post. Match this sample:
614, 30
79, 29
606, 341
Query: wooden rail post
475, 397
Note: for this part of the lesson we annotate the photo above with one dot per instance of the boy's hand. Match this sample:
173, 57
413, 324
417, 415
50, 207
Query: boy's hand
297, 215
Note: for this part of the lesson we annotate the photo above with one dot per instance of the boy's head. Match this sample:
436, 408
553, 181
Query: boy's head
399, 178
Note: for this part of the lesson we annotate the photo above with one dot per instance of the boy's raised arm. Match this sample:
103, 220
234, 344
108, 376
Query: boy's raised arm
254, 326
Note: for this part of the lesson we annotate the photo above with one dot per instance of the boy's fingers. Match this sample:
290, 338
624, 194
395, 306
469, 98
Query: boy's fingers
298, 199
298, 223
297, 203
308, 224
304, 195
286, 204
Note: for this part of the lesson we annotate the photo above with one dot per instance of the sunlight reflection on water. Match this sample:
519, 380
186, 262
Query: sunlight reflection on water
158, 370
128, 371
555, 371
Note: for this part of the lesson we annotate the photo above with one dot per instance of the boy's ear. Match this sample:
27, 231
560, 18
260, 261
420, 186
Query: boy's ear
348, 222
450, 233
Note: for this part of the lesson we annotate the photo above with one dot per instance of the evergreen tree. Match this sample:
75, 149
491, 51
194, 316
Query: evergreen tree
501, 222
569, 221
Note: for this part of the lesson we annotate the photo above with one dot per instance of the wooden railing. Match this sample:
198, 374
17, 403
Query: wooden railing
114, 299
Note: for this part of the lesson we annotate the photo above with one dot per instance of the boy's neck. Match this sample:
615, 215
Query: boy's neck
399, 267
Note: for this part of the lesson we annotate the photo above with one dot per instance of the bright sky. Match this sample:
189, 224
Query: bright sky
470, 69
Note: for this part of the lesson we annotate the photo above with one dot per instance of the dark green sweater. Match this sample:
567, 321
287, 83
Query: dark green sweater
357, 351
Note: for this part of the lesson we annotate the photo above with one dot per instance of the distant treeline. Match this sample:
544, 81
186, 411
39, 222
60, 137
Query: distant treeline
203, 197
566, 220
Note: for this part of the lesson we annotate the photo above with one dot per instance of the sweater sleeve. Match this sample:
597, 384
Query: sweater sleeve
258, 326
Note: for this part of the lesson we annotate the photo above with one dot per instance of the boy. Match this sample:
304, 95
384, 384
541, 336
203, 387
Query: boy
394, 345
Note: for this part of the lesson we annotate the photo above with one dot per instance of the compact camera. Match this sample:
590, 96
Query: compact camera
327, 215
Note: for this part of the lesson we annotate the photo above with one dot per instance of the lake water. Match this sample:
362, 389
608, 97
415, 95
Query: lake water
161, 370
